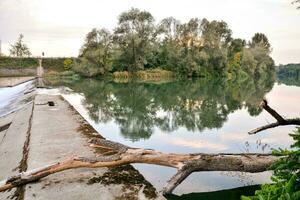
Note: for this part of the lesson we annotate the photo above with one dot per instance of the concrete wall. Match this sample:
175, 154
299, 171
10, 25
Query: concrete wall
6, 72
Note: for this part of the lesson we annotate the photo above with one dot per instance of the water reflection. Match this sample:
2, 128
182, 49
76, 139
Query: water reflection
138, 108
292, 78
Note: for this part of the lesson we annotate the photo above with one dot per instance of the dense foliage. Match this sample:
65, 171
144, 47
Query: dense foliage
195, 48
286, 176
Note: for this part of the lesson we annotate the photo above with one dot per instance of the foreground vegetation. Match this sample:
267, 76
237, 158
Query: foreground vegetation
286, 176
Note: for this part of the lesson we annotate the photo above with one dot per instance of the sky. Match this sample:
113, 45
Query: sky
58, 27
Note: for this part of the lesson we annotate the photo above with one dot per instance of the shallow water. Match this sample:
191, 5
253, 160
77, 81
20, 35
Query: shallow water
188, 116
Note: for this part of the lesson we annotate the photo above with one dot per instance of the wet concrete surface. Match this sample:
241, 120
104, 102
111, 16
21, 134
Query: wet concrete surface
57, 133
13, 81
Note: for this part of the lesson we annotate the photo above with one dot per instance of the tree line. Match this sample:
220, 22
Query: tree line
196, 48
289, 74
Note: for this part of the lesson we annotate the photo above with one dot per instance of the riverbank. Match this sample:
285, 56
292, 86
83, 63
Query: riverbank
36, 135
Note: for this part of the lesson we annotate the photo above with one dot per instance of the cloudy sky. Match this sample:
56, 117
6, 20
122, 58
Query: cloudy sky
58, 27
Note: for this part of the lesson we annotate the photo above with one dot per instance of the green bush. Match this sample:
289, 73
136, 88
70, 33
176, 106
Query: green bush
67, 64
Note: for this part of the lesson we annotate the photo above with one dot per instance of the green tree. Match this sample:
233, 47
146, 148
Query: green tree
260, 48
260, 39
248, 62
191, 44
216, 36
133, 38
169, 48
169, 28
215, 33
97, 51
236, 46
19, 49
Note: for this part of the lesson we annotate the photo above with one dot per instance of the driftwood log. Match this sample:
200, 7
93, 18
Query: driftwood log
184, 163
280, 121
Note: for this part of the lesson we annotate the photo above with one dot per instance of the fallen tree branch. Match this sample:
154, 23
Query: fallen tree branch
185, 163
280, 120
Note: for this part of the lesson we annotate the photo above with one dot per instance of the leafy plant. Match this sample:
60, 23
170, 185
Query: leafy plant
286, 176
67, 64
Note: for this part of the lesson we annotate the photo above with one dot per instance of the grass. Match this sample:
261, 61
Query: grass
50, 63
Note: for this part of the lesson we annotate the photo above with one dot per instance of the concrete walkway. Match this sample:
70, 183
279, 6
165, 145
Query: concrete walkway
57, 133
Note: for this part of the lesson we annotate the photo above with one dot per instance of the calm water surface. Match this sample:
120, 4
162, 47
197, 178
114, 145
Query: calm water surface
188, 116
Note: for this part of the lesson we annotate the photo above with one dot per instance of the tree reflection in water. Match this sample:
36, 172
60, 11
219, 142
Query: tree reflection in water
139, 107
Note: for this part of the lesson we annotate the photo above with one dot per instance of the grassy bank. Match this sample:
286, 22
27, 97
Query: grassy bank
53, 64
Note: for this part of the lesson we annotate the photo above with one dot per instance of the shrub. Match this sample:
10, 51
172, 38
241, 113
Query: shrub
67, 64
286, 176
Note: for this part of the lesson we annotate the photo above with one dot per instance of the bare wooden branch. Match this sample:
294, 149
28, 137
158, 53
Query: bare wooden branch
180, 176
264, 105
280, 120
185, 163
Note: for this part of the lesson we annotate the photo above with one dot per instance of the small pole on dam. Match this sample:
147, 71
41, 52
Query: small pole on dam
40, 71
